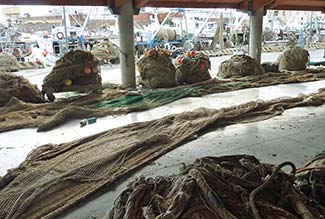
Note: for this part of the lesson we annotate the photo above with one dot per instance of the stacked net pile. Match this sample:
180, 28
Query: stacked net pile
8, 62
156, 69
293, 59
228, 187
53, 178
12, 85
192, 68
106, 52
73, 71
239, 66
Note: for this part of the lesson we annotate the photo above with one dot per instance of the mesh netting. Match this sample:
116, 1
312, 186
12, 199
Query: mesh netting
116, 102
55, 177
75, 68
228, 187
192, 69
8, 62
106, 52
12, 85
293, 59
239, 66
156, 69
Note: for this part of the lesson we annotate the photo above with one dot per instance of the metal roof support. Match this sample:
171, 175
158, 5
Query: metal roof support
255, 34
126, 37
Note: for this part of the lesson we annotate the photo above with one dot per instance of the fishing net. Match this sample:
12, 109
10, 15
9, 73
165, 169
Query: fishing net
53, 178
228, 187
293, 59
270, 66
106, 52
17, 114
239, 66
192, 68
8, 62
156, 69
117, 101
12, 85
74, 71
311, 179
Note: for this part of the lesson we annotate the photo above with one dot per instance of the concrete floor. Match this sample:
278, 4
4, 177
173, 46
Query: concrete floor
297, 135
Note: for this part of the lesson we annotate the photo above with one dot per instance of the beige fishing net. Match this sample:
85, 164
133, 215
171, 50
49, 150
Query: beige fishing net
239, 66
73, 71
54, 178
106, 52
12, 85
47, 116
228, 187
293, 59
156, 69
8, 62
192, 68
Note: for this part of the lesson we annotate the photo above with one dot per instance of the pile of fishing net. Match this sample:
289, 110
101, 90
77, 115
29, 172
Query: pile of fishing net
293, 59
270, 67
239, 66
228, 187
192, 68
117, 101
76, 71
106, 52
46, 116
8, 62
55, 177
12, 85
156, 69
311, 179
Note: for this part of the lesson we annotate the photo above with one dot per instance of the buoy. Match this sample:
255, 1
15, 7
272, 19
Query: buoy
44, 53
192, 53
202, 66
87, 70
179, 60
152, 52
68, 82
94, 69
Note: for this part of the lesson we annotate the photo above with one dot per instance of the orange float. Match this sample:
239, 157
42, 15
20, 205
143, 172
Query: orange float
94, 69
87, 70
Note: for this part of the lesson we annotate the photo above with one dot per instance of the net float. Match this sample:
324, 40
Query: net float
179, 60
87, 70
94, 69
202, 66
68, 82
151, 52
192, 53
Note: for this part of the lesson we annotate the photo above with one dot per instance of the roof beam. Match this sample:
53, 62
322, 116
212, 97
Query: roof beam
56, 2
191, 4
255, 5
316, 5
140, 3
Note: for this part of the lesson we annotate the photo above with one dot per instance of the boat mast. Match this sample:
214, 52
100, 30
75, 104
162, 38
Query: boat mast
65, 30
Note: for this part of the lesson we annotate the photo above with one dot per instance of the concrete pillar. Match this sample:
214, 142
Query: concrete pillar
126, 37
255, 34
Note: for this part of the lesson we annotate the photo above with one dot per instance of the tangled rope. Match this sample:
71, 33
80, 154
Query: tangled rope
265, 184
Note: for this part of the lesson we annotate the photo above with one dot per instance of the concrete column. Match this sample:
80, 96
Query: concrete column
255, 35
126, 37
